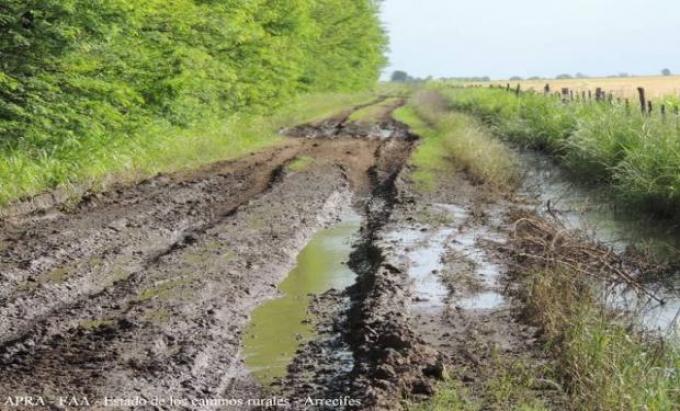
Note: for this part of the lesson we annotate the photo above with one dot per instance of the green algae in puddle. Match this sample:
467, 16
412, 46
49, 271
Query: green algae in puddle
278, 327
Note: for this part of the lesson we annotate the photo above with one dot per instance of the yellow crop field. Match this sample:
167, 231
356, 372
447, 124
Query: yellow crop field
625, 87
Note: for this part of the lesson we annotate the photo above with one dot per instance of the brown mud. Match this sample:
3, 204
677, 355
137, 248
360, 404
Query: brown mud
144, 291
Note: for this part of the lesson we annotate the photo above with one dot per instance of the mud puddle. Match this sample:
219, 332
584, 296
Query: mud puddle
422, 250
447, 261
280, 326
589, 210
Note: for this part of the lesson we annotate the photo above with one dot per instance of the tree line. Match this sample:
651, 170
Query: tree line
101, 68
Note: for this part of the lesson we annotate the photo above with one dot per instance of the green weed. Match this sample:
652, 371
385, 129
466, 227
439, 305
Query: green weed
638, 156
374, 112
300, 164
604, 363
454, 141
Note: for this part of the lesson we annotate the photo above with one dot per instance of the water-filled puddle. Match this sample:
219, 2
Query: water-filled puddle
589, 210
424, 250
648, 313
488, 300
279, 326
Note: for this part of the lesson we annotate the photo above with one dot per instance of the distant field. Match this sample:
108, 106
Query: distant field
625, 87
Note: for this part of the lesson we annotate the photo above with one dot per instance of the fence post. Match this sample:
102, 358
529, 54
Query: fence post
663, 112
546, 89
590, 95
627, 106
507, 87
598, 94
517, 90
643, 99
565, 94
650, 107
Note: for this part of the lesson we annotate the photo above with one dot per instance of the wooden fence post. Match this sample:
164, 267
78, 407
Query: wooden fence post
517, 90
598, 94
565, 94
643, 100
663, 112
627, 106
650, 107
546, 89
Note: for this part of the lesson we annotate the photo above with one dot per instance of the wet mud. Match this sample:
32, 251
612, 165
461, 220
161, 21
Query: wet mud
167, 288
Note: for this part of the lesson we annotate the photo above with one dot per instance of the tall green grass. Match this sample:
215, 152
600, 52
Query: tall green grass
452, 142
158, 147
639, 156
601, 362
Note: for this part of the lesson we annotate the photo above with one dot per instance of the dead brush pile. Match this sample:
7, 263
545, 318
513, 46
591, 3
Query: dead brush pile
556, 265
601, 361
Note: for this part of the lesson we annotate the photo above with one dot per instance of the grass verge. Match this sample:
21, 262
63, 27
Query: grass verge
637, 155
159, 147
511, 387
602, 362
374, 113
453, 142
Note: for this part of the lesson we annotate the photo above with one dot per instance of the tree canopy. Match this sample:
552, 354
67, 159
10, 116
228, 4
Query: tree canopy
71, 69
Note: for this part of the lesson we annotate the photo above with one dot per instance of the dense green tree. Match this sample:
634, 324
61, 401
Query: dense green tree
400, 76
75, 69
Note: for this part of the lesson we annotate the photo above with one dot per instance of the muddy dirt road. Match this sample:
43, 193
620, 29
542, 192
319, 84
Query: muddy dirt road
140, 298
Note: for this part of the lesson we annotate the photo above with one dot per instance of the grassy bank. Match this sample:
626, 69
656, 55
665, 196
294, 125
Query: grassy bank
602, 362
454, 142
598, 359
638, 156
160, 147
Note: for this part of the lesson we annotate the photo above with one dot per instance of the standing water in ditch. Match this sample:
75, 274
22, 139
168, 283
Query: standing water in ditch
588, 209
280, 326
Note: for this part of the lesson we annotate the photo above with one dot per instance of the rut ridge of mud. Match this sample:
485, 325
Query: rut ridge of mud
183, 237
383, 126
366, 349
390, 360
125, 292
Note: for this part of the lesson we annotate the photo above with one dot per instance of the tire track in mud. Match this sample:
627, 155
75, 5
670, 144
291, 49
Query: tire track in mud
383, 341
366, 350
157, 328
79, 285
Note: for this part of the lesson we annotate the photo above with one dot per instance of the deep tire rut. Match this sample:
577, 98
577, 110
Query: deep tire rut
148, 289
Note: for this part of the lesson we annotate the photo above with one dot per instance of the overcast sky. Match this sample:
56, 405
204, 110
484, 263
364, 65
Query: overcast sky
503, 38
